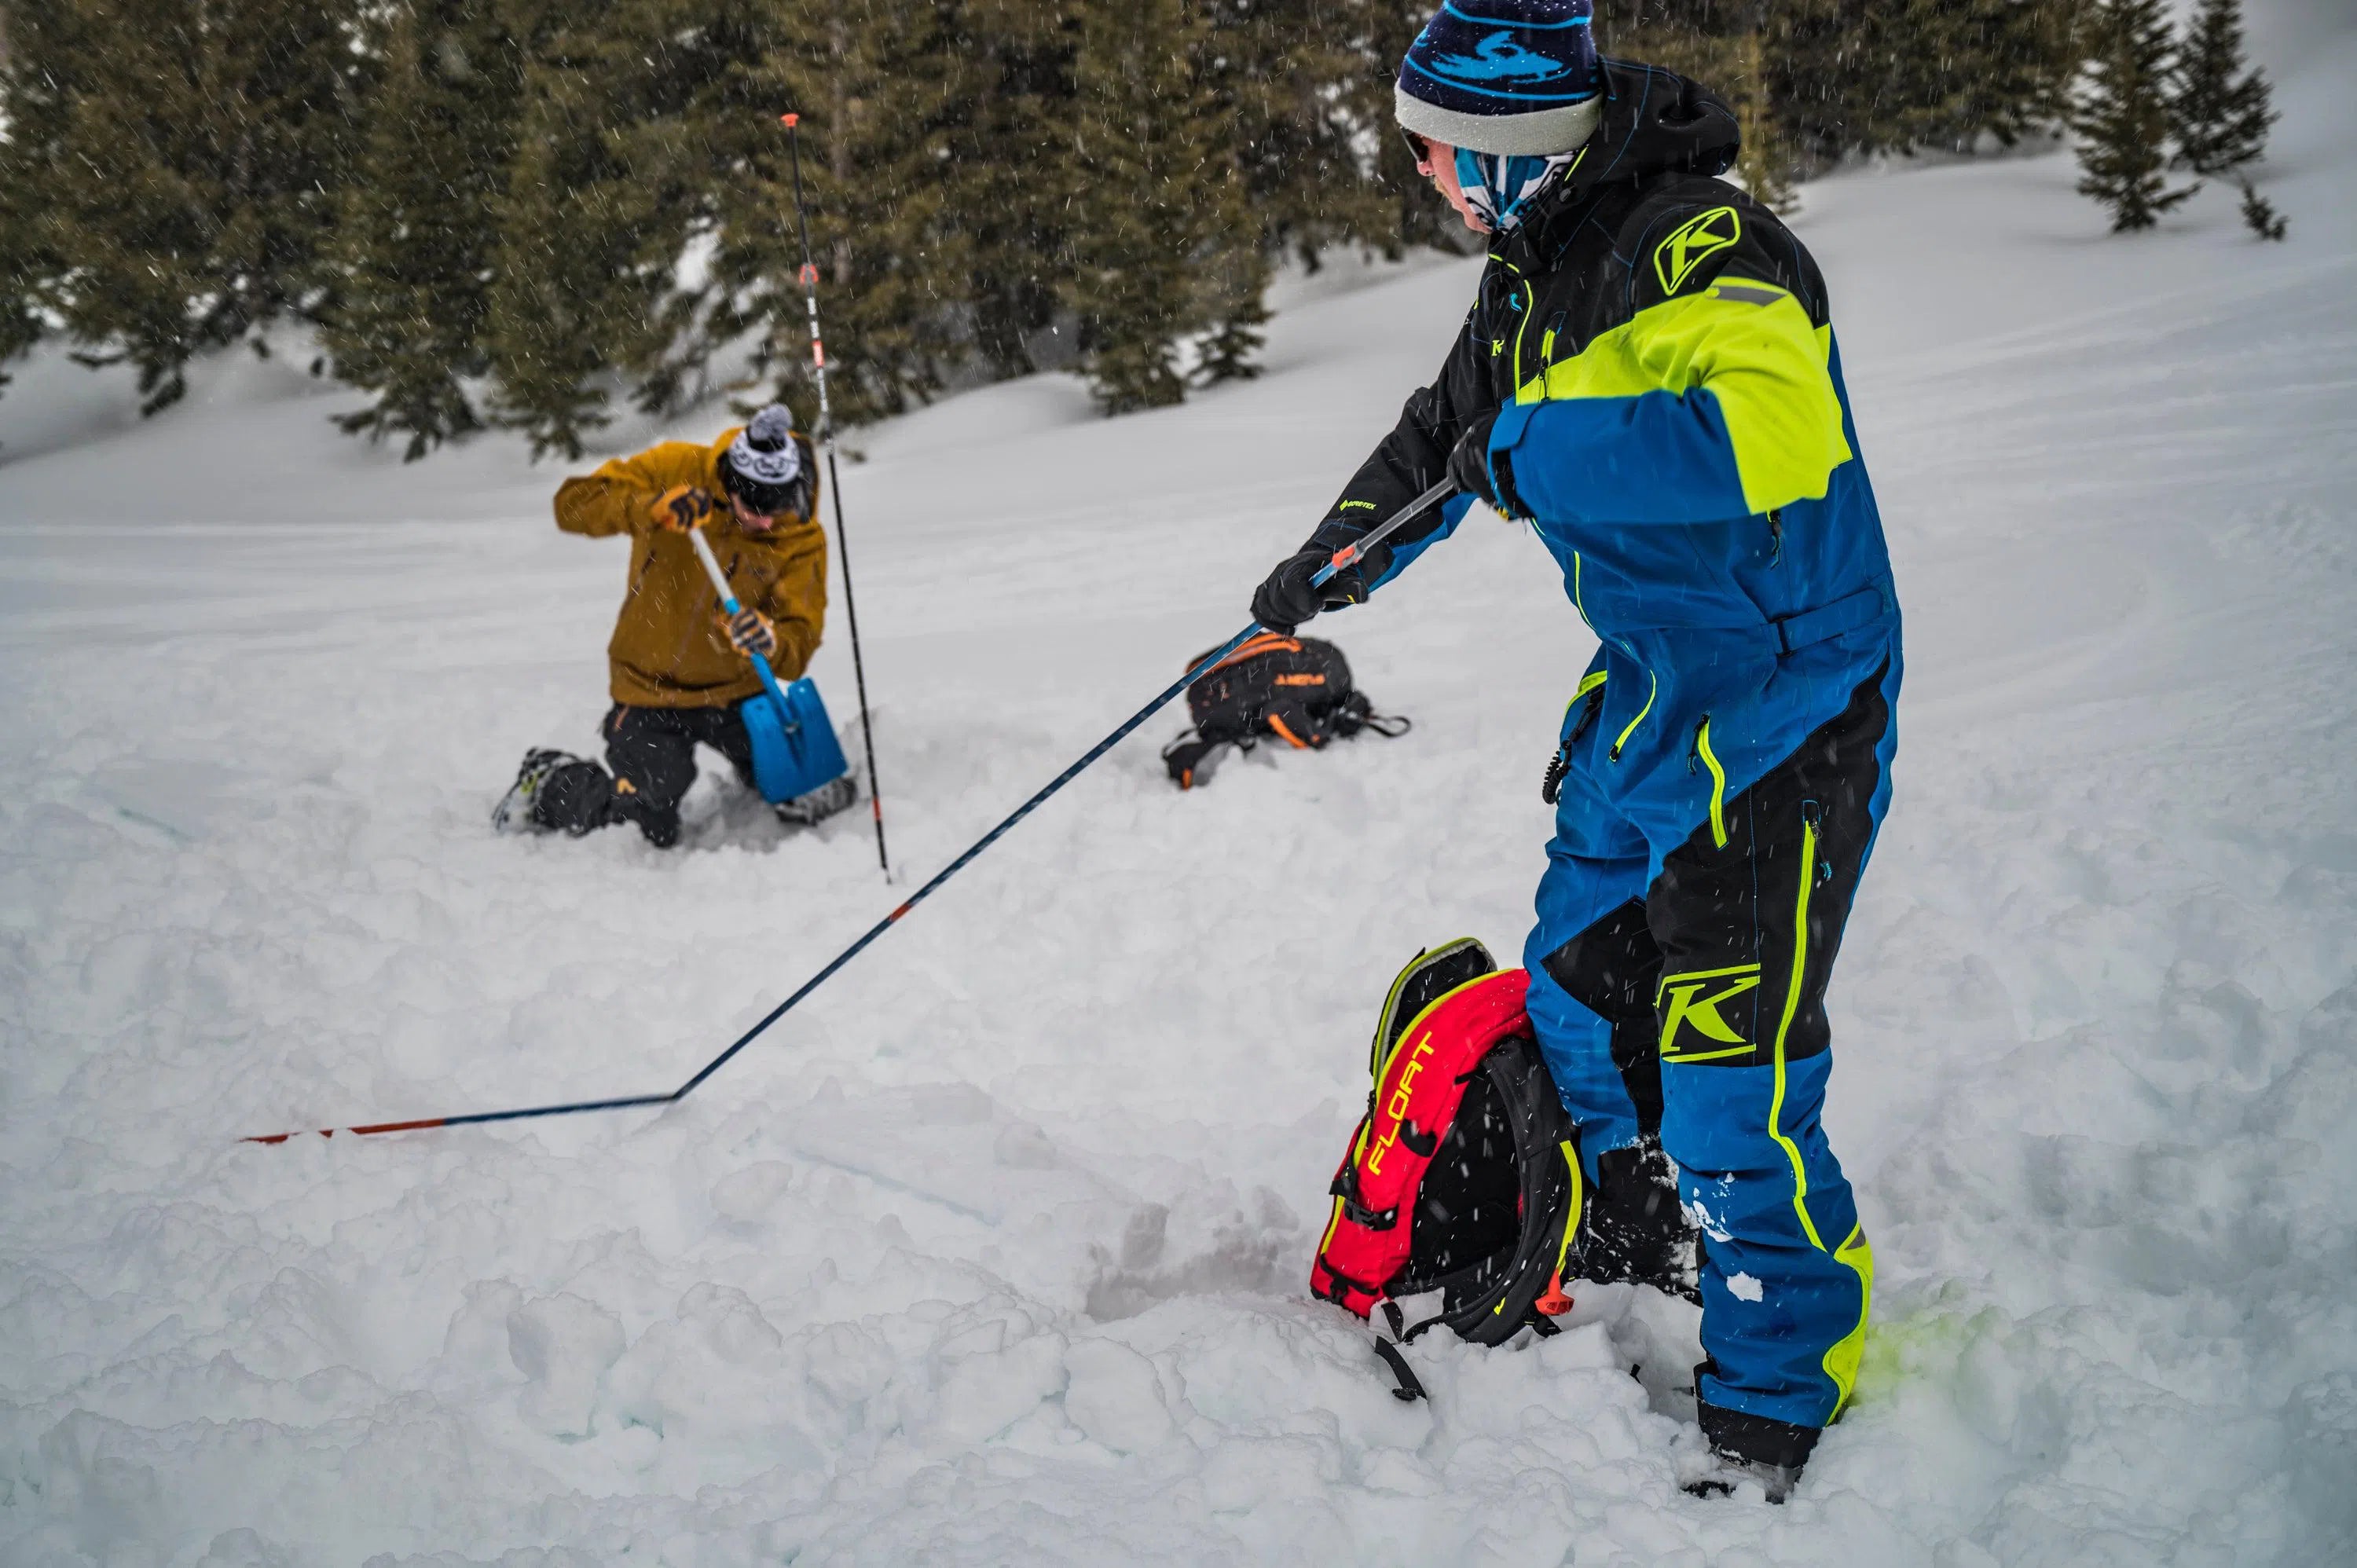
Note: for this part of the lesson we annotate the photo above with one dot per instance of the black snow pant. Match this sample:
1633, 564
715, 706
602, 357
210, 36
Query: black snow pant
653, 754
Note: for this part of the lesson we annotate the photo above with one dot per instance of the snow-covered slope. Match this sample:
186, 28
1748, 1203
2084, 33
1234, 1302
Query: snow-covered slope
995, 1251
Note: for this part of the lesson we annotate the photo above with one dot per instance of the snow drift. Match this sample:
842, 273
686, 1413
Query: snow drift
995, 1251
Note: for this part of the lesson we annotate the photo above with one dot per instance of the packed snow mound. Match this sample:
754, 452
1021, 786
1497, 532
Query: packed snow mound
995, 1249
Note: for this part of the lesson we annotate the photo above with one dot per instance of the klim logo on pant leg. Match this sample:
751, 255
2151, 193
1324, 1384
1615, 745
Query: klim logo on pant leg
1690, 1003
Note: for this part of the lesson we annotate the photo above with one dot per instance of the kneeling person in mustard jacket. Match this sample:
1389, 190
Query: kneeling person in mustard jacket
679, 666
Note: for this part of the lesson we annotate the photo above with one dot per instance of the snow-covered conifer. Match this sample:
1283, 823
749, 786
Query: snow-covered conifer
194, 152
2123, 116
1150, 190
878, 89
414, 250
2222, 110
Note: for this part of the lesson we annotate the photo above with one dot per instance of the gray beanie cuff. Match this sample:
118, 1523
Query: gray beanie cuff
1539, 135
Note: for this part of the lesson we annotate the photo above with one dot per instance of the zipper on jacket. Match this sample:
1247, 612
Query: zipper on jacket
1775, 535
1702, 752
1522, 302
1579, 603
1630, 728
1591, 688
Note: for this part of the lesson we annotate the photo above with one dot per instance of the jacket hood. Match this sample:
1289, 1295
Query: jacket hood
1654, 122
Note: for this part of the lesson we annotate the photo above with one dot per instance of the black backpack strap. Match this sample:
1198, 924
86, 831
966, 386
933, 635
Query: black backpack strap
1354, 714
1190, 757
1409, 1388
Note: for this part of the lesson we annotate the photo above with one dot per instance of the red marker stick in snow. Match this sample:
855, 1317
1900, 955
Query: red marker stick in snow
1342, 558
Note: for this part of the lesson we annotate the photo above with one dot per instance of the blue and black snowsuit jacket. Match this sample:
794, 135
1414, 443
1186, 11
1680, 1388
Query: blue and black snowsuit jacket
1673, 419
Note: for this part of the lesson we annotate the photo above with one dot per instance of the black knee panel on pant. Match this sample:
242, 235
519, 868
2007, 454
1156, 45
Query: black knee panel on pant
1749, 927
1612, 968
653, 752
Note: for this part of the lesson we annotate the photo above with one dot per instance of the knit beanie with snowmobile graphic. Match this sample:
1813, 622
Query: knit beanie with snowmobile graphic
1514, 78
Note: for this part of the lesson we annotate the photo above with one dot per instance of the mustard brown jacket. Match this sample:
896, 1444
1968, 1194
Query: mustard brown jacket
668, 650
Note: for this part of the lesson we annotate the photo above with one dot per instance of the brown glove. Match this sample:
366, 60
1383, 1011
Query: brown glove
750, 633
680, 508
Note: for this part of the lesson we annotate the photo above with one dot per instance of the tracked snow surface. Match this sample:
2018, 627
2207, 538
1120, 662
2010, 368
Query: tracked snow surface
996, 1251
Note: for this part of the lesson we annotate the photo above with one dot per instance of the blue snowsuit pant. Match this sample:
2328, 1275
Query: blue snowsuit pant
1716, 815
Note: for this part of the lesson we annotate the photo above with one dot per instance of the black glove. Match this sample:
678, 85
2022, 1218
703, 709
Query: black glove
1480, 473
750, 633
1286, 600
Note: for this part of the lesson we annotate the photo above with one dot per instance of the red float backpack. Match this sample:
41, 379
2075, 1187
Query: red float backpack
1457, 1198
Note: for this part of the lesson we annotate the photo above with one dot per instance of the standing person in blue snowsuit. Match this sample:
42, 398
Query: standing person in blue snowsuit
1648, 377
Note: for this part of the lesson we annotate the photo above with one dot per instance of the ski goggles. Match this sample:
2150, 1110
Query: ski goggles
1498, 185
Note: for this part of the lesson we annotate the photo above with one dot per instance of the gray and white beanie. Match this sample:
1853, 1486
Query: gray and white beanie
765, 462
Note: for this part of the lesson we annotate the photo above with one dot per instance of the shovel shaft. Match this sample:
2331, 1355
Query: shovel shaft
729, 606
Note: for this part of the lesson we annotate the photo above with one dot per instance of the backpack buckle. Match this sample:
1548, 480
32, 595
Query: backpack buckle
1346, 1187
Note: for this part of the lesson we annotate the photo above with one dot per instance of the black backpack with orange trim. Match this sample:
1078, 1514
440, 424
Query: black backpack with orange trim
1297, 688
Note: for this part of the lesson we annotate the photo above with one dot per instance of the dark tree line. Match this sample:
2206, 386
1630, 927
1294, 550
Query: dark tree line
520, 213
2150, 105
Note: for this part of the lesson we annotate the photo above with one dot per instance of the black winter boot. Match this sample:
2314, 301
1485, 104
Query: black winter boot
1751, 1448
518, 811
1635, 1230
570, 794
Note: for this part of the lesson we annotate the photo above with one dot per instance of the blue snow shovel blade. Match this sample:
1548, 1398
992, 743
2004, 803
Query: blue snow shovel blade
794, 748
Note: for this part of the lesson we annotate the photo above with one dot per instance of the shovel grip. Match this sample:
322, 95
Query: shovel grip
729, 606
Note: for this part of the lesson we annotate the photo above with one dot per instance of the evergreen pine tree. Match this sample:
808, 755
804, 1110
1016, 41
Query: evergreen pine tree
1008, 215
197, 149
1154, 187
874, 85
610, 180
1277, 73
28, 265
2121, 115
2221, 110
1834, 76
416, 246
1407, 213
23, 267
2260, 215
1766, 164
1924, 73
1238, 276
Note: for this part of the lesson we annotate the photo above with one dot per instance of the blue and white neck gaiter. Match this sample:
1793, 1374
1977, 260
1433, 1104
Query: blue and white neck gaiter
1501, 186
